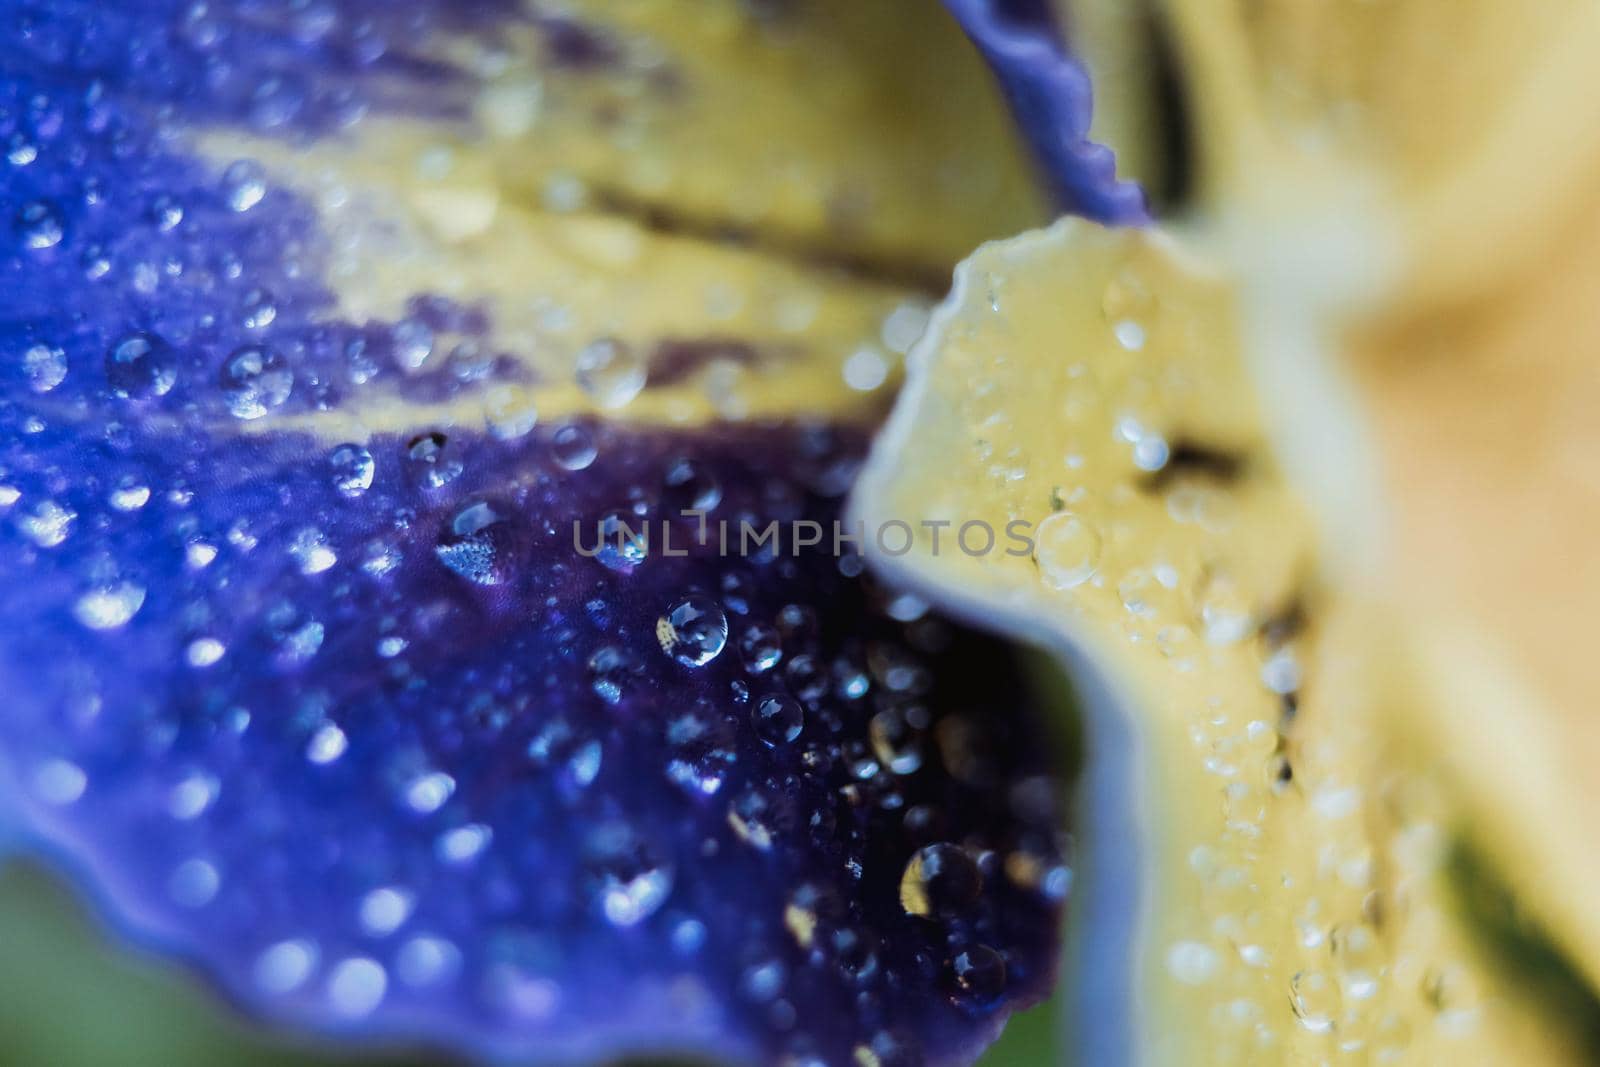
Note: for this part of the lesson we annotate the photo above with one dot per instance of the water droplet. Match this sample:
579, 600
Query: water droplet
1066, 549
629, 879
194, 883
310, 550
1192, 963
480, 544
778, 719
204, 651
611, 670
761, 648
688, 487
940, 879
129, 495
898, 738
285, 966
244, 184
45, 366
353, 468
573, 447
510, 414
357, 986
429, 462
413, 343
463, 844
140, 365
610, 372
979, 974
693, 631
39, 225
254, 381
327, 744
385, 910
47, 525
427, 793
60, 782
624, 541
1315, 999
866, 369
260, 310
110, 606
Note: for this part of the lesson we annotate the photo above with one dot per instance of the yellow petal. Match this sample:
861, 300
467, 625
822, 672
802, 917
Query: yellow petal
1260, 884
1463, 132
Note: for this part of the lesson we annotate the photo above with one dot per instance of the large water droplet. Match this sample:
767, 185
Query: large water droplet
353, 468
45, 366
778, 719
693, 631
109, 607
478, 544
940, 879
141, 364
430, 462
39, 225
244, 183
630, 880
255, 380
1066, 549
573, 447
978, 973
611, 372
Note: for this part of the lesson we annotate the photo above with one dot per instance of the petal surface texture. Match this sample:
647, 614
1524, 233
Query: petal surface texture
1265, 875
335, 337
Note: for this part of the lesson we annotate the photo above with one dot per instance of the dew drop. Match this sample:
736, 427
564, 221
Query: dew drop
611, 670
1315, 1000
353, 468
39, 225
357, 986
254, 381
1066, 550
778, 719
761, 648
244, 184
45, 367
141, 365
110, 606
897, 738
429, 462
573, 447
939, 880
610, 372
284, 967
629, 880
327, 744
978, 973
693, 631
479, 544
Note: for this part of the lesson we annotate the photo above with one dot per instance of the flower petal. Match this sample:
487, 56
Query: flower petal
1461, 167
1258, 884
311, 375
1051, 97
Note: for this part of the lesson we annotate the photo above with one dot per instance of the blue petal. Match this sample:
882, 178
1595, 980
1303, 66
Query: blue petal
1052, 99
360, 729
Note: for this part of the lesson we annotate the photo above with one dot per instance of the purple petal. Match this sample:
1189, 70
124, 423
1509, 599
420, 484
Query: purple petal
1052, 100
360, 730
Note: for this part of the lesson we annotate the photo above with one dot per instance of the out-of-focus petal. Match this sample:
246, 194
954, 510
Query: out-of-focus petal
1490, 464
1255, 885
1461, 137
321, 332
1050, 94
